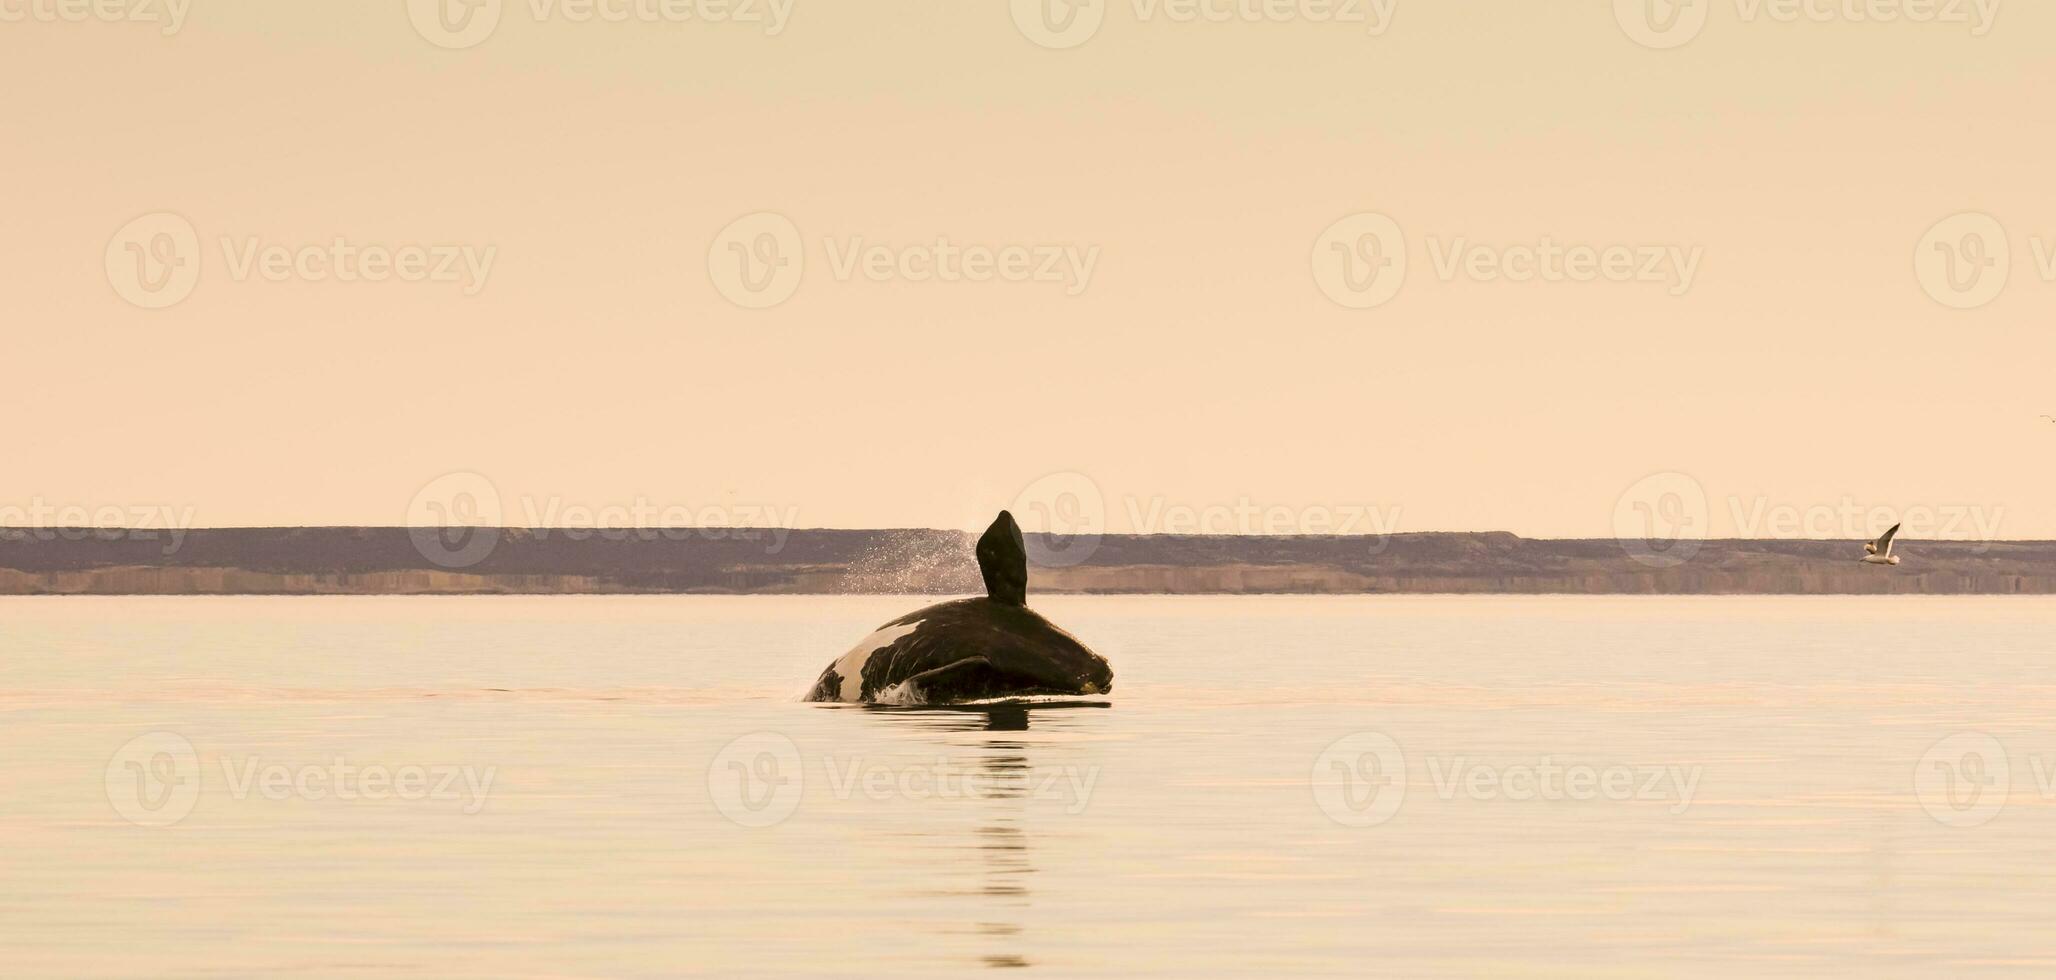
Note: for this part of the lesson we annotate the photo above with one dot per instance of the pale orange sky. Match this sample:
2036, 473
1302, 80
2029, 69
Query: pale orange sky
1201, 365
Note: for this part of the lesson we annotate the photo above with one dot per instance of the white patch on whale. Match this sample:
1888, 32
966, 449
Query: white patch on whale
850, 667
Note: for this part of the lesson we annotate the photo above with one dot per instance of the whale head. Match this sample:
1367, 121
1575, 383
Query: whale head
1042, 658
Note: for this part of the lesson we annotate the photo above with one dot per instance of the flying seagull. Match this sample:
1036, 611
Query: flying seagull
1879, 552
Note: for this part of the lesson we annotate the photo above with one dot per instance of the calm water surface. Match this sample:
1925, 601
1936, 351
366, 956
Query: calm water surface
1390, 786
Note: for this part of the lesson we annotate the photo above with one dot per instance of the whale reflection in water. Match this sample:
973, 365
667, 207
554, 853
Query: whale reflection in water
1012, 773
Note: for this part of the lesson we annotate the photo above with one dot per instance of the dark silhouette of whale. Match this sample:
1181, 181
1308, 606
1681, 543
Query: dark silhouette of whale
970, 649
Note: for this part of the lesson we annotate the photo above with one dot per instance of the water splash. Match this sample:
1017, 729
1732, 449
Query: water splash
916, 562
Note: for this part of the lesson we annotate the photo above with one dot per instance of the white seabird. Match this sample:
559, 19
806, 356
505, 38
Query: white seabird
1879, 552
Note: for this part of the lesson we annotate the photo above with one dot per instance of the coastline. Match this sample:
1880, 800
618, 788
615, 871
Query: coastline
529, 561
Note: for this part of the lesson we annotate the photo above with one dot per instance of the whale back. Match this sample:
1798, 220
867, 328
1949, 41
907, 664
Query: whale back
1003, 560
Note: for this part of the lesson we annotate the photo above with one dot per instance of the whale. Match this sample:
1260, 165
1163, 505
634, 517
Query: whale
977, 649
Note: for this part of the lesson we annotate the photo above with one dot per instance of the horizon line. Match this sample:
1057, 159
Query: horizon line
12, 531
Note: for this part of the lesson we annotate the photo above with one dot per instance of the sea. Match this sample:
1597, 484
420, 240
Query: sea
1408, 786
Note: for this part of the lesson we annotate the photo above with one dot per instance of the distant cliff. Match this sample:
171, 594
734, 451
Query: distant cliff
345, 561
